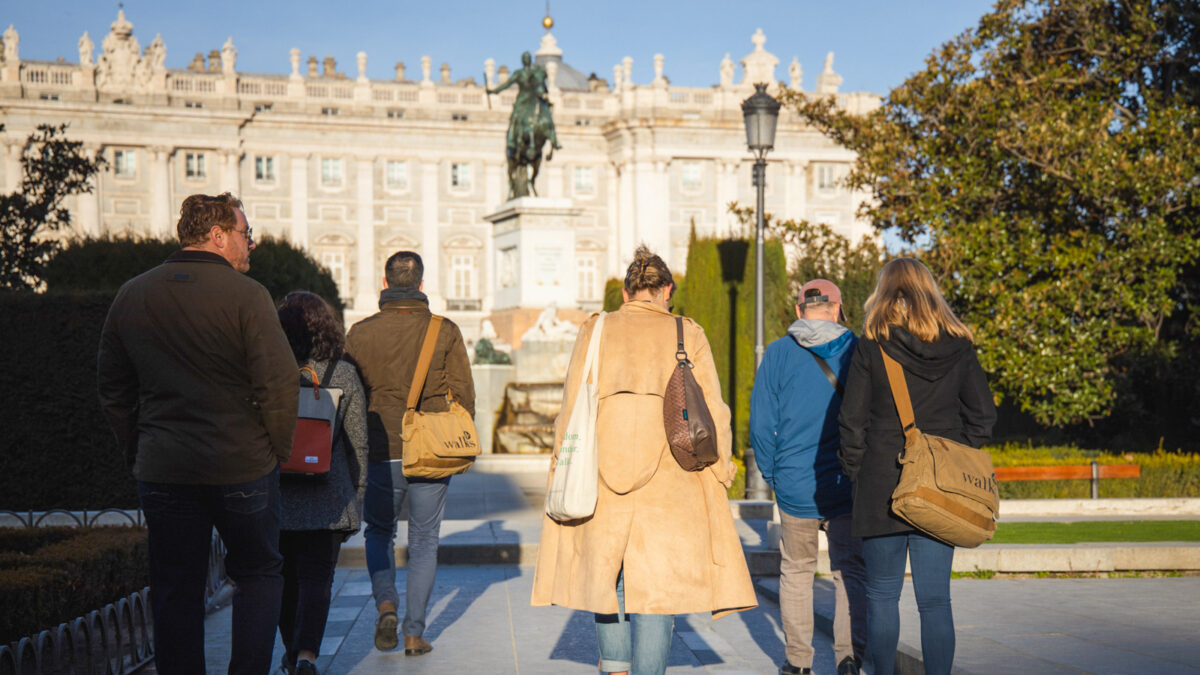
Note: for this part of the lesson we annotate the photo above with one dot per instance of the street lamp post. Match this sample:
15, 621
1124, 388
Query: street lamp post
761, 113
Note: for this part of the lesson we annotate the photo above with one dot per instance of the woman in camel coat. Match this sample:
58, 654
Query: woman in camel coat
662, 535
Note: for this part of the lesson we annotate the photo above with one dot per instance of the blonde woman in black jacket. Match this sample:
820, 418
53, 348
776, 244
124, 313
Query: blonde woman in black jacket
907, 317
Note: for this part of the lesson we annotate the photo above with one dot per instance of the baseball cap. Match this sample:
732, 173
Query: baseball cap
819, 290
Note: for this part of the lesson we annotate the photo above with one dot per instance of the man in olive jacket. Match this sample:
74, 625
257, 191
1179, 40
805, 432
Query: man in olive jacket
385, 346
199, 384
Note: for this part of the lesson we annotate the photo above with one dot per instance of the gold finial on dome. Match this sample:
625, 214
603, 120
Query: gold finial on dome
548, 21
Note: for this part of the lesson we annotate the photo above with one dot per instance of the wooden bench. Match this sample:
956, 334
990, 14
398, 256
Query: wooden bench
1094, 471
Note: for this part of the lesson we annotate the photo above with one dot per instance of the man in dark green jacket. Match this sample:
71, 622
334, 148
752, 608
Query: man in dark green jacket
385, 347
199, 384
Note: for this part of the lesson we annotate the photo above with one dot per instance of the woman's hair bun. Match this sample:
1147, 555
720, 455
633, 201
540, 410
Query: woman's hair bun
647, 271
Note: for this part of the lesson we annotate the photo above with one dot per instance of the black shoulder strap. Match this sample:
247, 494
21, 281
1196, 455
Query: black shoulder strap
829, 374
329, 371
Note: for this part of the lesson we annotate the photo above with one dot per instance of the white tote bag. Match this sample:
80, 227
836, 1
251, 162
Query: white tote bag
572, 493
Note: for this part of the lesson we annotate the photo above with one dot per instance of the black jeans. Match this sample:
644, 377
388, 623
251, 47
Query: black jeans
309, 559
181, 520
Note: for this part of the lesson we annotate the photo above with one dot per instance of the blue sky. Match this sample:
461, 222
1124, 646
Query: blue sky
877, 43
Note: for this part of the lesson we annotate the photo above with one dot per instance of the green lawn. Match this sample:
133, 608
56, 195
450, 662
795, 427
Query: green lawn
1097, 531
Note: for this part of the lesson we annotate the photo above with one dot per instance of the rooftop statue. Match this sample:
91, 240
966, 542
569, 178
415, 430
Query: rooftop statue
529, 127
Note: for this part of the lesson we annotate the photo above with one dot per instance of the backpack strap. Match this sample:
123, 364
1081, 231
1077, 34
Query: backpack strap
895, 375
329, 371
423, 361
829, 374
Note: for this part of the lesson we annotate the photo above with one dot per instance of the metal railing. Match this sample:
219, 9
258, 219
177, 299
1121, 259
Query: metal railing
113, 640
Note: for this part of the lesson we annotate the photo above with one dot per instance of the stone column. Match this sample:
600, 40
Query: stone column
495, 186
12, 165
726, 179
650, 225
628, 214
230, 180
299, 179
86, 214
793, 190
160, 192
612, 181
366, 290
430, 246
659, 227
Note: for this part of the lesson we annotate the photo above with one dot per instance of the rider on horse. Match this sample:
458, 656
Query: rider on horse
530, 124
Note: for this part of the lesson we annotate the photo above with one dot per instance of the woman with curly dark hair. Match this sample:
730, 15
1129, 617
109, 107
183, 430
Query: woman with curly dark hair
318, 515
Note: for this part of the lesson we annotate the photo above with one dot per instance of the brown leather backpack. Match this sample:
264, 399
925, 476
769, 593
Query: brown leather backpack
689, 425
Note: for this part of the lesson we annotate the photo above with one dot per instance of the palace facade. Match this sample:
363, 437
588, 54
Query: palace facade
354, 169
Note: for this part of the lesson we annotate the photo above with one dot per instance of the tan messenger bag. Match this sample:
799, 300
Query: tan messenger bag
947, 489
436, 444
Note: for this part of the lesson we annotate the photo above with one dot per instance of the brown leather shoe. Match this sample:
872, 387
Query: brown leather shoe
385, 632
415, 645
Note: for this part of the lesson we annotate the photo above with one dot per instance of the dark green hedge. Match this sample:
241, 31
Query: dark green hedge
74, 571
103, 264
718, 293
57, 448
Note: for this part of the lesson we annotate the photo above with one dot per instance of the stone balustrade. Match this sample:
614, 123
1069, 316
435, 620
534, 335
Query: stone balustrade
74, 82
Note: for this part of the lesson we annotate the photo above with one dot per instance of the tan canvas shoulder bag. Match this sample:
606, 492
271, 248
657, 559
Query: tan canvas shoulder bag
947, 489
436, 444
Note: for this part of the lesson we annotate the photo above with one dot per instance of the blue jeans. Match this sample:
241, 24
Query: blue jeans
180, 519
930, 560
387, 487
641, 649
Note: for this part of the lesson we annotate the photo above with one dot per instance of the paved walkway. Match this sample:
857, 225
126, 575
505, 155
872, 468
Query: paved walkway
480, 618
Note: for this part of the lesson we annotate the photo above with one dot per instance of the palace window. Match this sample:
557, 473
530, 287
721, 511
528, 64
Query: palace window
330, 111
460, 176
125, 163
585, 266
463, 294
331, 171
691, 176
263, 107
397, 175
264, 169
193, 104
459, 117
395, 114
49, 97
585, 180
335, 261
826, 178
194, 167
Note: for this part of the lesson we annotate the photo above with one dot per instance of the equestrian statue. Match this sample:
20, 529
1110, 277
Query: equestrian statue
529, 127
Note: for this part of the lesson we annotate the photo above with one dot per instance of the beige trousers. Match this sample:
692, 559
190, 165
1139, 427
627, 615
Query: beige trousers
797, 568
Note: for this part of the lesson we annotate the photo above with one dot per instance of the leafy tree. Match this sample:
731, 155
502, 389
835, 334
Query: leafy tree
283, 267
822, 253
1047, 162
52, 168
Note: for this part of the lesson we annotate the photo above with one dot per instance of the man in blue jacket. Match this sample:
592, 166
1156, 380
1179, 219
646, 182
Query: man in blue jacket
794, 432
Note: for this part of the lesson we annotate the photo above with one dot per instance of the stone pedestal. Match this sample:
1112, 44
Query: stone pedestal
490, 381
534, 241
